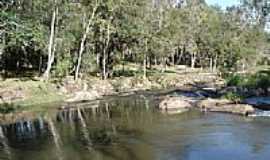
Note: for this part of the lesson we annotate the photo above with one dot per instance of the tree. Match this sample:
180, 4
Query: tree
52, 43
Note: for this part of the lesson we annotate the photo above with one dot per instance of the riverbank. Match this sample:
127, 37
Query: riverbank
23, 93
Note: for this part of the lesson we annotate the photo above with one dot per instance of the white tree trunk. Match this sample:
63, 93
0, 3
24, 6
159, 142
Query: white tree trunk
52, 45
105, 53
193, 60
82, 45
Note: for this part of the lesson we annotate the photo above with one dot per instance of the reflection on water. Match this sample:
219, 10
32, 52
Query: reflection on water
131, 128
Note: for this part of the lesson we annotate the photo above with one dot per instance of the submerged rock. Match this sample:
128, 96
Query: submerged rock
173, 105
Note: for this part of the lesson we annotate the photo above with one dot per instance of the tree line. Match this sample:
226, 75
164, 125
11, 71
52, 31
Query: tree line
57, 38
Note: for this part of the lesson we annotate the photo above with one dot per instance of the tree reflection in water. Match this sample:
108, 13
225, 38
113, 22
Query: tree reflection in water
131, 128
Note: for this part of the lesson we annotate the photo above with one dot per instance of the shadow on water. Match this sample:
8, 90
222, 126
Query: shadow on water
131, 128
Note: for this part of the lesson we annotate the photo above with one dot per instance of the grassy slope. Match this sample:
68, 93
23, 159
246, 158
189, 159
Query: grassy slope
34, 92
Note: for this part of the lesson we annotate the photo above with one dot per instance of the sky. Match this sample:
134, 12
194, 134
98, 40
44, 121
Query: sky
223, 3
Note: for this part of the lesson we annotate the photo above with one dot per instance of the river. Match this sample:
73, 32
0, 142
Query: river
131, 128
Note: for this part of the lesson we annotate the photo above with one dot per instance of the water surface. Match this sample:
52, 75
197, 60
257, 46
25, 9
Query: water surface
131, 128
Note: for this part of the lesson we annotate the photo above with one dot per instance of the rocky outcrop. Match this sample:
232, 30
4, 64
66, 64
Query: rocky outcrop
225, 106
102, 87
174, 105
83, 96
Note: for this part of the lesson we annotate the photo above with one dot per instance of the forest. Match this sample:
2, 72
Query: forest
59, 38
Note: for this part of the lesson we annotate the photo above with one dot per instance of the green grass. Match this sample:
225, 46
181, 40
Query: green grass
35, 93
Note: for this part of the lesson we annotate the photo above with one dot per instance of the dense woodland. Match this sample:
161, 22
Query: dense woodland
58, 38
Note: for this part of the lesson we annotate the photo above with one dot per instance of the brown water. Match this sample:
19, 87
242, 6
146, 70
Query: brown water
132, 128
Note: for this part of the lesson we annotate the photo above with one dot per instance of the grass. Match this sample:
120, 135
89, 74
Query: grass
35, 93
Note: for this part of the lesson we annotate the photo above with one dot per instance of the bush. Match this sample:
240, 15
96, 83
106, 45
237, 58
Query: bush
235, 80
258, 80
233, 97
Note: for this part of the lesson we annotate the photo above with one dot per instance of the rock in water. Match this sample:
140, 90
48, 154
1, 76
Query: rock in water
209, 102
175, 105
242, 109
225, 106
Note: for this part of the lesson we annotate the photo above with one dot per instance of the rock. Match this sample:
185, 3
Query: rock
259, 102
174, 105
122, 84
69, 85
226, 106
103, 87
84, 96
209, 102
242, 109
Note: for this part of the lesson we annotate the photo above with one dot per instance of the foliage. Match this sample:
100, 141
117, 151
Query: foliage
147, 32
235, 97
260, 79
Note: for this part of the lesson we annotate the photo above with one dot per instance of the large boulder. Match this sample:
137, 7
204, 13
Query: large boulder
174, 105
225, 106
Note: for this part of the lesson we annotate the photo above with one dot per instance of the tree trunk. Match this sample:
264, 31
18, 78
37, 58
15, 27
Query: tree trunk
144, 65
82, 45
156, 63
211, 64
150, 62
52, 45
193, 60
163, 65
215, 63
40, 65
123, 60
145, 60
180, 53
105, 57
173, 59
104, 65
97, 59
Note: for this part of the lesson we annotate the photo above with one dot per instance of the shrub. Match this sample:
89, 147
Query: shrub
233, 97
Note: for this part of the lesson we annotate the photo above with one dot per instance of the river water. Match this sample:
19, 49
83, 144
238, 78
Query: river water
131, 128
